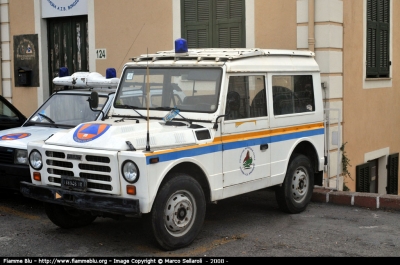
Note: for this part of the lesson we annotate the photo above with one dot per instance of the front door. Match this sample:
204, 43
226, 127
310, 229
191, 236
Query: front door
245, 131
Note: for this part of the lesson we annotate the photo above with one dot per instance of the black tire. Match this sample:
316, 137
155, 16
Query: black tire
296, 191
67, 217
178, 212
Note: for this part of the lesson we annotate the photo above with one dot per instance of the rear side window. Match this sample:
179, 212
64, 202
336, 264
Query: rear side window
292, 94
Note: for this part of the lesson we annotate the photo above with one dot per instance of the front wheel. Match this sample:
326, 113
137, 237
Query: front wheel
178, 212
67, 217
296, 191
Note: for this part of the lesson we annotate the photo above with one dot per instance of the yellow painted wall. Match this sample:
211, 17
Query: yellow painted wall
275, 24
371, 116
131, 28
22, 22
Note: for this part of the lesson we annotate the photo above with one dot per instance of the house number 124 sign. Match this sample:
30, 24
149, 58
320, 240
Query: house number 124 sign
101, 54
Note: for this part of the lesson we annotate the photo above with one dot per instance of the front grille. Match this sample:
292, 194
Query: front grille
59, 163
96, 169
55, 154
6, 155
99, 159
60, 172
95, 177
98, 186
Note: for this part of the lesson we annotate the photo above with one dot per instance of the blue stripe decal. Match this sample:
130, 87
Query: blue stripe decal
233, 145
186, 153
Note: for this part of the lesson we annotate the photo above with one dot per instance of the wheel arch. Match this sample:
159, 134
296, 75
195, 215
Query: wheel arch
192, 169
308, 149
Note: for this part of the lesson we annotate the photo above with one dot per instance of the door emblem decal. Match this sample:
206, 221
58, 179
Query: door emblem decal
247, 161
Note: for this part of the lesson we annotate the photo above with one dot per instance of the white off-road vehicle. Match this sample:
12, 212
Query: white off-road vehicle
223, 122
63, 110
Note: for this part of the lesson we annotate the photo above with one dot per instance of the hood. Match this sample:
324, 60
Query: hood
114, 136
19, 137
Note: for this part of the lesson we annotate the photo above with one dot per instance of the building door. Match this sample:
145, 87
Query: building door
68, 45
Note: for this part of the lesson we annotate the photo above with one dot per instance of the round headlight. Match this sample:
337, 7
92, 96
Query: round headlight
130, 171
35, 160
21, 156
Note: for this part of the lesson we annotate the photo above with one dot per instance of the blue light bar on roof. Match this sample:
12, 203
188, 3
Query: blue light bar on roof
181, 46
111, 73
63, 71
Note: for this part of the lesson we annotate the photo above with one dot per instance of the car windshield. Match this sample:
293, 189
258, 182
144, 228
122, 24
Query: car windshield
192, 90
67, 109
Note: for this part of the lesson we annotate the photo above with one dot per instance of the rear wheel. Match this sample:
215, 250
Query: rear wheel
178, 212
67, 217
296, 191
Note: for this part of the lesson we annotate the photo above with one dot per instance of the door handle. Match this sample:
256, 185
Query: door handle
263, 147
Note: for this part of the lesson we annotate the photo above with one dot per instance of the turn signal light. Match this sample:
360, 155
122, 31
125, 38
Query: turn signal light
131, 189
36, 176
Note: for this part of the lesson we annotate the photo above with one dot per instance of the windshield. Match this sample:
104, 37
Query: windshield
67, 109
193, 90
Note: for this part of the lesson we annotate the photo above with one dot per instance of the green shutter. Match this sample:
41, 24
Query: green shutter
213, 23
392, 174
363, 176
196, 23
229, 24
378, 37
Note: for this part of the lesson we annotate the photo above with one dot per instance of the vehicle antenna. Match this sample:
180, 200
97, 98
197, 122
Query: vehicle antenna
121, 64
147, 104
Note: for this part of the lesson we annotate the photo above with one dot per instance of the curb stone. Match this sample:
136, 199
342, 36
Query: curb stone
373, 201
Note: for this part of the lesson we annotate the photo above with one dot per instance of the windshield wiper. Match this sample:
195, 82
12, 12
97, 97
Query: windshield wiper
132, 108
46, 117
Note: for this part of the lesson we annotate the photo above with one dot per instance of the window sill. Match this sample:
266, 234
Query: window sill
378, 79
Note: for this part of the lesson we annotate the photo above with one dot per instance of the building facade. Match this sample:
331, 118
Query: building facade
354, 42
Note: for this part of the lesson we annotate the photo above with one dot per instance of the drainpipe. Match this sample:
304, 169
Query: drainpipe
311, 26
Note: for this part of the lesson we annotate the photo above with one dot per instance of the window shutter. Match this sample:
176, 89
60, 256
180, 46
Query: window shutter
363, 173
196, 23
378, 64
372, 17
383, 30
392, 174
229, 24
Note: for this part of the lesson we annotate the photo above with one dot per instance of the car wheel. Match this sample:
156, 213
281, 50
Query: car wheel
296, 191
178, 212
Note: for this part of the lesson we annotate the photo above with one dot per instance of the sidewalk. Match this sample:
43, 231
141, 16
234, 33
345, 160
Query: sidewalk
372, 201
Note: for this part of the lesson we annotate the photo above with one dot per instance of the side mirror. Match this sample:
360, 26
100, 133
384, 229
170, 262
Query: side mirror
93, 100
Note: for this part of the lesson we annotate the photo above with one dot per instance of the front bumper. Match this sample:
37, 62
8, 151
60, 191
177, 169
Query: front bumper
12, 175
81, 200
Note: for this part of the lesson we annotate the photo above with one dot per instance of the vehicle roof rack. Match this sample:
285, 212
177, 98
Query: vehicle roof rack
219, 54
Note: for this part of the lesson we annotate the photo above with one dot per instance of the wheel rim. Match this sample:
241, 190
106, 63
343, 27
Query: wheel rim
300, 182
179, 213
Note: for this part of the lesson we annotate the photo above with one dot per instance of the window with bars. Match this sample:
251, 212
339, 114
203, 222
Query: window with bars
213, 23
378, 37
